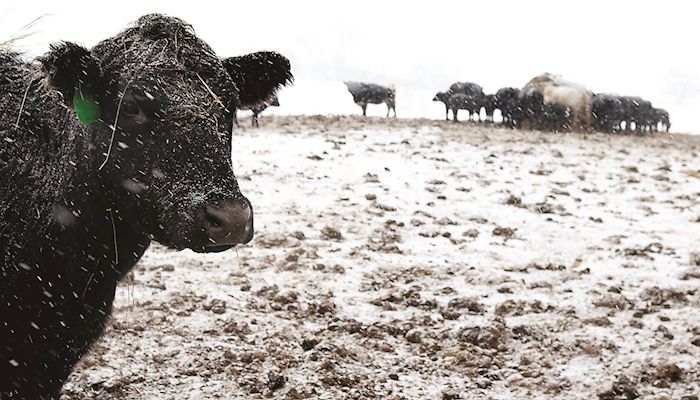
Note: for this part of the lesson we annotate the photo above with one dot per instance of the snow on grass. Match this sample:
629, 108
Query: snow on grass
472, 261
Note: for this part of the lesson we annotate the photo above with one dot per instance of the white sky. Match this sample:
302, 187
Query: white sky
629, 47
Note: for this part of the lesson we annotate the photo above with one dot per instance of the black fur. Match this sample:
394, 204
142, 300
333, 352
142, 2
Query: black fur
608, 113
508, 100
531, 109
659, 116
258, 109
258, 75
489, 104
69, 66
461, 101
555, 118
635, 111
371, 93
468, 88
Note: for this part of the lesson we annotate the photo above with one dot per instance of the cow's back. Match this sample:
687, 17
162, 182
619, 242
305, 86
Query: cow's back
368, 92
376, 94
468, 88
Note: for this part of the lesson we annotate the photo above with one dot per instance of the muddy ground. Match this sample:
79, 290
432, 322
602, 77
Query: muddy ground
417, 259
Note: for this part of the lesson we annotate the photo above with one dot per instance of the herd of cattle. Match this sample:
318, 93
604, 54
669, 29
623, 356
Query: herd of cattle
546, 103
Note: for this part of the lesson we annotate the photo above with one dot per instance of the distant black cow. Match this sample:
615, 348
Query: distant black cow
531, 110
608, 112
240, 69
371, 93
461, 101
260, 107
555, 118
103, 151
508, 101
489, 102
659, 116
636, 111
444, 97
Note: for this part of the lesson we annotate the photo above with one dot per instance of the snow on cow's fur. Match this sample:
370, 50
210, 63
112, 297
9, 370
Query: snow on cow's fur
81, 202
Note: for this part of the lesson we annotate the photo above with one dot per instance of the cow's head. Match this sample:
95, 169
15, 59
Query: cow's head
441, 96
159, 105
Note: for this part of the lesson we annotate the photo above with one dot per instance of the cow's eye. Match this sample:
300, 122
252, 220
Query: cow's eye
130, 108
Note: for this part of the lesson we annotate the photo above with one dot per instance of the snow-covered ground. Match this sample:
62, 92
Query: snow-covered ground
417, 259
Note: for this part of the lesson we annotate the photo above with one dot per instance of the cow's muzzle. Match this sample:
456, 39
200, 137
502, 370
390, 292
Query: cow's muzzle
229, 224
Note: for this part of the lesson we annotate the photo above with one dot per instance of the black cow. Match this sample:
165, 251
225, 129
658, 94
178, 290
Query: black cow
659, 116
608, 112
555, 117
461, 101
635, 111
508, 100
260, 107
531, 110
489, 102
371, 93
239, 68
101, 152
444, 97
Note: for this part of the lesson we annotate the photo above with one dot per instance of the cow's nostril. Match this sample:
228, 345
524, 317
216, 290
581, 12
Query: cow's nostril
212, 219
229, 224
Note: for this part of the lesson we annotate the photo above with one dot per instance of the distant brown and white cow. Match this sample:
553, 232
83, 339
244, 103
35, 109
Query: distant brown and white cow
569, 94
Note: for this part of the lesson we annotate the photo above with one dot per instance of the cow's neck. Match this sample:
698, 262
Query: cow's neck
105, 244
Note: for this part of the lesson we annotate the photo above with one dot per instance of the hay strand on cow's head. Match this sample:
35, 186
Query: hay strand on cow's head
114, 126
114, 237
21, 106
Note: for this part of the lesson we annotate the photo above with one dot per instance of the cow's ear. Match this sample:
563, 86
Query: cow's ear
258, 75
76, 74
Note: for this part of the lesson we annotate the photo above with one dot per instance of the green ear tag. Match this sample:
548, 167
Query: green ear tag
85, 107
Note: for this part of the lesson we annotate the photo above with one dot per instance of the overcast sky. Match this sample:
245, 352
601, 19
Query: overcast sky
626, 47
